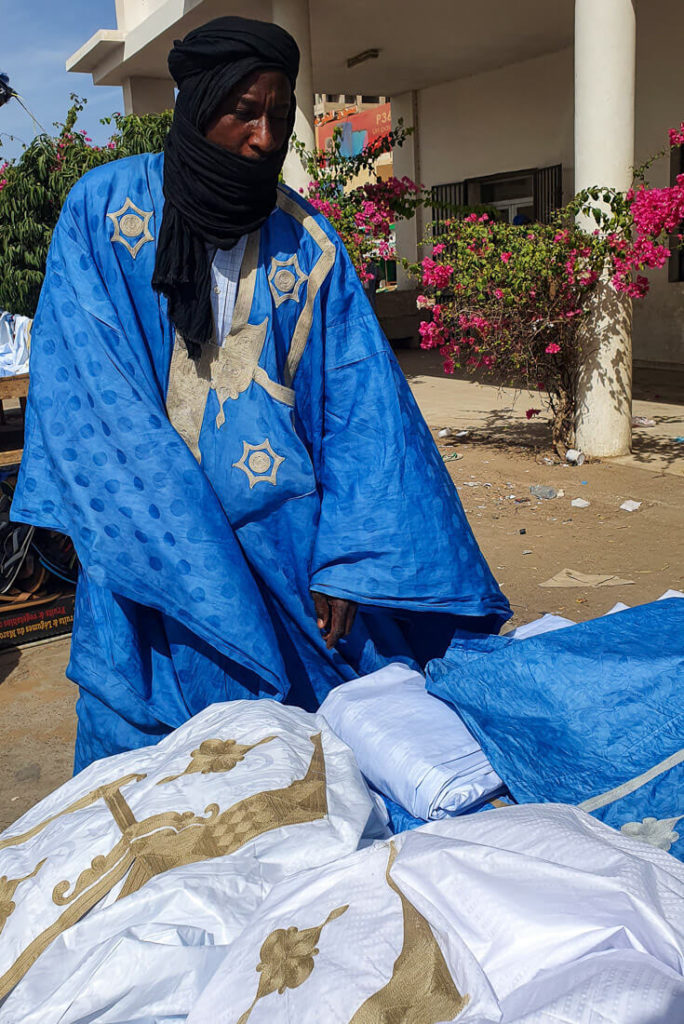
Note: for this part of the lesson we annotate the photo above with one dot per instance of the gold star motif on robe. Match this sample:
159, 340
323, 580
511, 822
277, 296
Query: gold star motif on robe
131, 227
259, 463
285, 278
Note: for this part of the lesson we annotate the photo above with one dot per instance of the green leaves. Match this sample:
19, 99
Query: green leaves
38, 183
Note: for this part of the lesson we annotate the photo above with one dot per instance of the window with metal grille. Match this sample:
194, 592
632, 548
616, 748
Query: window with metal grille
521, 196
444, 198
676, 267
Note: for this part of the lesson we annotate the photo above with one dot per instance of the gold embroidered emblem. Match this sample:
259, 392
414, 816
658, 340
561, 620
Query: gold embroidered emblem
216, 756
421, 989
169, 840
131, 227
285, 279
287, 959
259, 463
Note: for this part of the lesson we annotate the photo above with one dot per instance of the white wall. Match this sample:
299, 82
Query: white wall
516, 117
659, 318
130, 13
521, 116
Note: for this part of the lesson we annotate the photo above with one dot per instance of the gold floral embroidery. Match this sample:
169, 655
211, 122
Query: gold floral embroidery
287, 959
421, 989
167, 841
8, 887
214, 756
99, 868
171, 839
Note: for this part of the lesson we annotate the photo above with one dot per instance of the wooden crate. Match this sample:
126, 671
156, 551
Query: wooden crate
12, 388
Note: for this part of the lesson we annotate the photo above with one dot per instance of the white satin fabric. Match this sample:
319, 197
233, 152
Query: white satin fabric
410, 745
156, 947
542, 914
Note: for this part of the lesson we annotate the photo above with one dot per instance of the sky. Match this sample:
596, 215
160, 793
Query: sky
36, 37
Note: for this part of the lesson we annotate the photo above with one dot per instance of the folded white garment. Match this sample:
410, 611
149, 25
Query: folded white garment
410, 745
622, 607
547, 624
14, 344
522, 915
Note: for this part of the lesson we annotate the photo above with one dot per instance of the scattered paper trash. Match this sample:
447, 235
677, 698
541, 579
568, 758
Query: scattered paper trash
573, 578
454, 457
446, 432
630, 506
580, 503
642, 421
574, 457
527, 552
542, 491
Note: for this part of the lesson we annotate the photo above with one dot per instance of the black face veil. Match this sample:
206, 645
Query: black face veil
213, 197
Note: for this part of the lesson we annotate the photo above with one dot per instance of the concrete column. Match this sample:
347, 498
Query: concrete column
148, 95
293, 16
121, 20
605, 57
406, 161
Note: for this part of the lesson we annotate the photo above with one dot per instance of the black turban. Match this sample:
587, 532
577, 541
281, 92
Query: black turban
213, 197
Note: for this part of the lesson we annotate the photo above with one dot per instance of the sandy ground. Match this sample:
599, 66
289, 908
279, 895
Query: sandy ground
527, 540
502, 457
37, 725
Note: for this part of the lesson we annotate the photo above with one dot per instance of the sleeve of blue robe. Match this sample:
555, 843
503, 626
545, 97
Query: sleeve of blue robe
392, 531
103, 464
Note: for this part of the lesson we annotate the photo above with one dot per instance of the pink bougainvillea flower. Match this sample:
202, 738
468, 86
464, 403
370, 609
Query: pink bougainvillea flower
506, 257
677, 135
436, 275
552, 348
438, 249
532, 412
431, 335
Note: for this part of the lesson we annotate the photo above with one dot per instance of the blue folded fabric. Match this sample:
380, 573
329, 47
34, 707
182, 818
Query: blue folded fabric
592, 715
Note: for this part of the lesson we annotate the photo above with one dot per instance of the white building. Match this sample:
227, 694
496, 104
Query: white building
518, 103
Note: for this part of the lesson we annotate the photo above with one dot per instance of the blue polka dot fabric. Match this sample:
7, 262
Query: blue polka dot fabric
196, 576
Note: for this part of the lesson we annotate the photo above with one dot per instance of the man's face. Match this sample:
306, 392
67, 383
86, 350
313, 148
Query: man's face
252, 120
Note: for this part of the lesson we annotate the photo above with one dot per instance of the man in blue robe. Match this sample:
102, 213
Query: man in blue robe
217, 421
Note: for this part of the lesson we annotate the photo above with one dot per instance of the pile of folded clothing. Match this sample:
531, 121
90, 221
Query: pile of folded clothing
238, 872
587, 714
412, 747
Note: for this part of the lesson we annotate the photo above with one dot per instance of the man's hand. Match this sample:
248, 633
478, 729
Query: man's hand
334, 617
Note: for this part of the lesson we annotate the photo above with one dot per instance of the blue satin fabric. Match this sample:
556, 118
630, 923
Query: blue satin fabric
578, 712
195, 586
